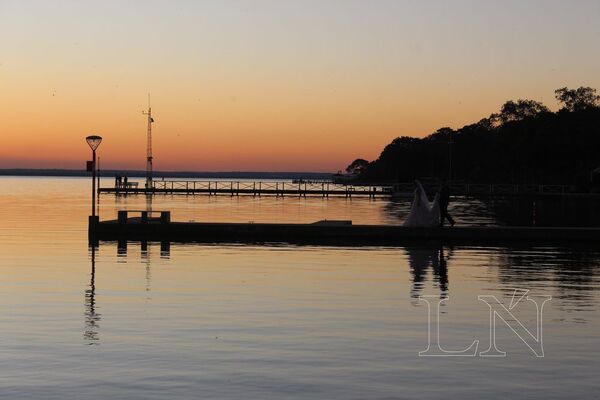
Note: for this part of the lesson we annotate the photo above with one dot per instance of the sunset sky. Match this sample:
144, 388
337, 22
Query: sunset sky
275, 85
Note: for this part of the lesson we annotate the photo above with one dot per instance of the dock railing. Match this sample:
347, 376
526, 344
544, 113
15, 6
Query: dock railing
145, 216
326, 189
279, 188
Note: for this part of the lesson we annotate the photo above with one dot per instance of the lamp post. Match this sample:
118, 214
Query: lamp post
93, 141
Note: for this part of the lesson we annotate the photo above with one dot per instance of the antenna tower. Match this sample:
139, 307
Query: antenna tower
149, 146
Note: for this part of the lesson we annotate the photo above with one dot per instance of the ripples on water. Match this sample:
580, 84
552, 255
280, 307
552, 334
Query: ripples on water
235, 321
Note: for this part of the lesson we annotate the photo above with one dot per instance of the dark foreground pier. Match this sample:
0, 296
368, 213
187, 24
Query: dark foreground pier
146, 228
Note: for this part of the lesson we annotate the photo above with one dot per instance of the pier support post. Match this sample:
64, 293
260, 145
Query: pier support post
93, 223
121, 247
122, 216
165, 248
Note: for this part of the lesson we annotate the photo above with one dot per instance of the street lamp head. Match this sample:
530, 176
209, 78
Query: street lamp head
93, 141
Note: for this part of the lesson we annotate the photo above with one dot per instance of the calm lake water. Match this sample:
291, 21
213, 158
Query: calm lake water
279, 322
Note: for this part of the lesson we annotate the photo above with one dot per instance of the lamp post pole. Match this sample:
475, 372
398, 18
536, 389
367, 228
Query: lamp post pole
93, 182
93, 141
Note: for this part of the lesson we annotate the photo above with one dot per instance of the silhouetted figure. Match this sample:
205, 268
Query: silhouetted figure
422, 212
116, 181
444, 201
125, 181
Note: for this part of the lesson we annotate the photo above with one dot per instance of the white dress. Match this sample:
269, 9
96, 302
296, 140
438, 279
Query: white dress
422, 212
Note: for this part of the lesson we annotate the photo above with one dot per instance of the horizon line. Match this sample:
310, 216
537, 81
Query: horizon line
142, 173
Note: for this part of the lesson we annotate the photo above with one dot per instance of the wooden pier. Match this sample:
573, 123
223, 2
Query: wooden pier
327, 189
258, 188
148, 227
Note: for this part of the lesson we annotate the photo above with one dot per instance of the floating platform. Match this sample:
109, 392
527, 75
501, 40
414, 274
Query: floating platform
325, 232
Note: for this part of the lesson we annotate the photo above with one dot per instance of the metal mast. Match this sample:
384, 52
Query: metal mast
149, 146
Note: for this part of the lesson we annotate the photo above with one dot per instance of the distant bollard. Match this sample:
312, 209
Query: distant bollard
122, 216
144, 217
165, 217
93, 221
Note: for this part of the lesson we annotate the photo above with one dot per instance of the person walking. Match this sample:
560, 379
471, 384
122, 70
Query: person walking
444, 201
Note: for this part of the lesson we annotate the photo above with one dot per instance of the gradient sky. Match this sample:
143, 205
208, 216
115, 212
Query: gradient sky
274, 85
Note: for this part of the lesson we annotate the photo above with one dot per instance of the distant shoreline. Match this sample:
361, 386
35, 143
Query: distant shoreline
166, 174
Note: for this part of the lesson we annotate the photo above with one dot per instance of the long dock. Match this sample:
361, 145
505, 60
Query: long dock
325, 232
327, 189
258, 188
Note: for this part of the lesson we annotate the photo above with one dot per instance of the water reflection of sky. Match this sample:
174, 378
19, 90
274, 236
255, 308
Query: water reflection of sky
172, 321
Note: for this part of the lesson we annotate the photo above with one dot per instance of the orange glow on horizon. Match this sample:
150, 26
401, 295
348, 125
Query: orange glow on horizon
279, 86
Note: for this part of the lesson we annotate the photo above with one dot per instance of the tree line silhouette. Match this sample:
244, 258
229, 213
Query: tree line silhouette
524, 142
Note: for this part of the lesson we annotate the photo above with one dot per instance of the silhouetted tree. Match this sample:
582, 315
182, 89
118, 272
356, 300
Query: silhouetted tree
442, 134
357, 166
518, 110
532, 145
577, 99
487, 123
